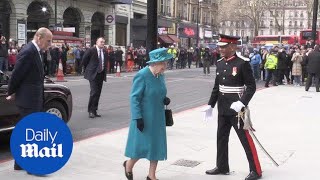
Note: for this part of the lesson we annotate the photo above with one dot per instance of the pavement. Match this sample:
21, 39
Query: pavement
286, 119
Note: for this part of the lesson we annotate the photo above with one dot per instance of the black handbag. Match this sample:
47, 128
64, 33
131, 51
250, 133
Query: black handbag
169, 118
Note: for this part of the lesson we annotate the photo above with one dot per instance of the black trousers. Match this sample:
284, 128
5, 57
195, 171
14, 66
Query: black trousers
224, 126
95, 92
309, 81
23, 113
281, 74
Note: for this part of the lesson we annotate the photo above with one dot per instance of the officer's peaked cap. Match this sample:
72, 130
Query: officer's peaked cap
226, 39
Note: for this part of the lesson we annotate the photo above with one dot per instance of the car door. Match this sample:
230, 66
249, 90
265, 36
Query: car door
8, 111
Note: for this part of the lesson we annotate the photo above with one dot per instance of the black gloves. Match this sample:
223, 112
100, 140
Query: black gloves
166, 101
140, 124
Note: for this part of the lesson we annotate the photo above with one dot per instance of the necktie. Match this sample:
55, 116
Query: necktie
100, 61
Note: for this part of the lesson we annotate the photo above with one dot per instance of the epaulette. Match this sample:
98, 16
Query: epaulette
220, 59
242, 57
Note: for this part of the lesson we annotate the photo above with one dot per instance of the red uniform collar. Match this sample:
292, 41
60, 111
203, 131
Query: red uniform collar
230, 58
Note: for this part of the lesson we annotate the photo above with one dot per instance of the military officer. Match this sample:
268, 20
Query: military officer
233, 89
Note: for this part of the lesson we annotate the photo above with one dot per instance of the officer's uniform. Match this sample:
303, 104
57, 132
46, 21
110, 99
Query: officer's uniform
234, 82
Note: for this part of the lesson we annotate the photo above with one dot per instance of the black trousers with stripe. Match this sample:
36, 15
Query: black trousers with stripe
224, 126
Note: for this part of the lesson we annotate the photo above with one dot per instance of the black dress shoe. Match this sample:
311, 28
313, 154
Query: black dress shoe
253, 176
217, 171
97, 115
91, 115
149, 178
129, 175
17, 167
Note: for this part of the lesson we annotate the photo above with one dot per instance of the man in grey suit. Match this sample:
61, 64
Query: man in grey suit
94, 62
26, 82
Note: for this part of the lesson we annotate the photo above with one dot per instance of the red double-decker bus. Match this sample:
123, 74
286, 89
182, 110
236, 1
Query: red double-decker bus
306, 35
275, 39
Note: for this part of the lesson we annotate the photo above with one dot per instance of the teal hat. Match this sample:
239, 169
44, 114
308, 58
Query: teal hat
159, 55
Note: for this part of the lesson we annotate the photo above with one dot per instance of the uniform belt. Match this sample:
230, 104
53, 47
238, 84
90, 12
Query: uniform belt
231, 89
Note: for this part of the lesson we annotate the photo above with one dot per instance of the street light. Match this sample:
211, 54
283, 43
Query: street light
198, 11
44, 9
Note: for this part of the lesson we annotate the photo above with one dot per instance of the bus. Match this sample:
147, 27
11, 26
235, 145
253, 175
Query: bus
305, 35
275, 39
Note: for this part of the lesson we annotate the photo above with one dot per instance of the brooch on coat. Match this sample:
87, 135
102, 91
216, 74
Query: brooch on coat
234, 71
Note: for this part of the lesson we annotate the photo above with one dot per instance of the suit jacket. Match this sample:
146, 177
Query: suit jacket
90, 63
313, 62
27, 79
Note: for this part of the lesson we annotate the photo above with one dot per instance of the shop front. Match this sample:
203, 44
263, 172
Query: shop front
187, 34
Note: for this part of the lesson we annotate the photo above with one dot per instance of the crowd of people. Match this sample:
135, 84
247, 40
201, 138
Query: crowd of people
297, 65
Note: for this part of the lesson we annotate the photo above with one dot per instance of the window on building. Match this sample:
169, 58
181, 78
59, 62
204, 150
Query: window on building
223, 23
296, 14
271, 32
290, 23
262, 23
301, 24
237, 32
301, 15
161, 6
261, 32
290, 32
243, 24
180, 11
185, 12
194, 14
168, 8
242, 33
295, 32
231, 32
271, 23
223, 31
295, 23
252, 33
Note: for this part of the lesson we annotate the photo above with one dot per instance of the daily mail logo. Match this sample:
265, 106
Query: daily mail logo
32, 150
41, 143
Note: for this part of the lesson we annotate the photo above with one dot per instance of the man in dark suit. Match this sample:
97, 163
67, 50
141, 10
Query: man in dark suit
94, 62
313, 68
26, 82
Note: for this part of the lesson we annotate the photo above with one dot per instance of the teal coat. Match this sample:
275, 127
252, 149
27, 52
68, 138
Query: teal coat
146, 102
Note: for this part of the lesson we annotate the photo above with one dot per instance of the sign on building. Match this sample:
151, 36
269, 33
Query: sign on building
110, 19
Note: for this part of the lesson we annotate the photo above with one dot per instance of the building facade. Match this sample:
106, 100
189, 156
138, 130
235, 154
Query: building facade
282, 18
120, 24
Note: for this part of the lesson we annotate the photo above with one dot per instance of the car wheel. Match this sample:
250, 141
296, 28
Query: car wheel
56, 108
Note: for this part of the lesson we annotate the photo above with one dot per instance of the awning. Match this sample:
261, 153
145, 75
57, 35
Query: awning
166, 39
174, 38
120, 1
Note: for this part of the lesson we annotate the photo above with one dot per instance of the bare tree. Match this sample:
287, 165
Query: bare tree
248, 10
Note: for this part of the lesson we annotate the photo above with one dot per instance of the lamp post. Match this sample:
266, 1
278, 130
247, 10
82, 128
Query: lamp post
314, 22
198, 12
55, 13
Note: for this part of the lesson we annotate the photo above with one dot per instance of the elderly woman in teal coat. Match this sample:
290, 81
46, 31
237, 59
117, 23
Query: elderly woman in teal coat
147, 131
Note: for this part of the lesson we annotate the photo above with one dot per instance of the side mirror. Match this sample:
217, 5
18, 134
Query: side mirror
4, 79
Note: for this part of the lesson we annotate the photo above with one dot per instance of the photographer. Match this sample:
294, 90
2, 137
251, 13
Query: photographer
3, 54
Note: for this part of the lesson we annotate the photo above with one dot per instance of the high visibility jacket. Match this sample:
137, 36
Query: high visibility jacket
173, 52
271, 62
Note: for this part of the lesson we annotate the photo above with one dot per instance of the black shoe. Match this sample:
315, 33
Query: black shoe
17, 167
217, 171
266, 85
307, 89
91, 115
97, 115
129, 175
149, 178
253, 176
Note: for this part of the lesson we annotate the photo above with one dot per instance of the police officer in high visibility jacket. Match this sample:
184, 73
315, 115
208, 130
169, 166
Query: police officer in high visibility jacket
271, 67
233, 89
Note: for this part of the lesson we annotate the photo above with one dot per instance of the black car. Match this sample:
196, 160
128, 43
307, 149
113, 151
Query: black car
57, 100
